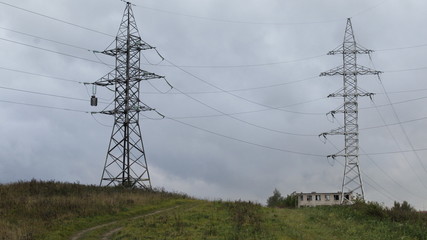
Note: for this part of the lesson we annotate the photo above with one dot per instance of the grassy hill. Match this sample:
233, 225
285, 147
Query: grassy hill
52, 210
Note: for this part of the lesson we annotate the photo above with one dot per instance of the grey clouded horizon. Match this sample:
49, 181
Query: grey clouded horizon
257, 62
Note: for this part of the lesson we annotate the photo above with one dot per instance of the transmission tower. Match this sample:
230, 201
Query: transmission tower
352, 180
126, 164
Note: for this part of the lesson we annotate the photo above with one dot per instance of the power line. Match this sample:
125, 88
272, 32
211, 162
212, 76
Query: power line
56, 19
401, 126
248, 112
186, 66
387, 175
232, 94
221, 90
390, 195
404, 131
300, 103
396, 152
51, 51
44, 106
241, 89
406, 70
402, 48
244, 141
236, 21
248, 65
243, 121
391, 132
44, 94
218, 134
393, 124
46, 39
40, 75
381, 169
395, 103
174, 65
206, 66
200, 66
407, 91
369, 9
235, 113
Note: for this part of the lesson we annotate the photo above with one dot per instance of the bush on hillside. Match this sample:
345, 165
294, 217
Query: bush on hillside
277, 200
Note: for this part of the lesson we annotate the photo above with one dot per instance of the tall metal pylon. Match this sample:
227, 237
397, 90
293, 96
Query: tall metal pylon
352, 180
126, 163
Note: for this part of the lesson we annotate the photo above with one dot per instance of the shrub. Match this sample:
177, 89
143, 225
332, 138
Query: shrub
290, 201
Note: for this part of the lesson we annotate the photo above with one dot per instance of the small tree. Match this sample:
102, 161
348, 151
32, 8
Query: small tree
274, 201
291, 201
404, 207
277, 200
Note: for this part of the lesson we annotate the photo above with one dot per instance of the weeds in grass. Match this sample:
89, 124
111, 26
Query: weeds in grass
52, 210
28, 210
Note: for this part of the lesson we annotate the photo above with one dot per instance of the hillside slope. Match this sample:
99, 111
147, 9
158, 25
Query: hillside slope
51, 210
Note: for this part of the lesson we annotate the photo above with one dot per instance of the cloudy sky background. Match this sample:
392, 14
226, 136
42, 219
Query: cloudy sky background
256, 62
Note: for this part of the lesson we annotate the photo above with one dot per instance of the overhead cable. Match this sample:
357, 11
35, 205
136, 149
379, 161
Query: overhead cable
244, 121
235, 95
55, 19
237, 21
51, 51
40, 75
244, 141
46, 39
44, 106
44, 94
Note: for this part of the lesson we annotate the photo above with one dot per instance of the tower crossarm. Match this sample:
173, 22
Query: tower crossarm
338, 131
107, 80
362, 70
345, 50
136, 45
333, 156
361, 93
144, 75
111, 78
334, 71
342, 109
133, 109
359, 70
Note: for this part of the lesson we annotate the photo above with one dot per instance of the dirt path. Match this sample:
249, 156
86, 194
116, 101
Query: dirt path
108, 234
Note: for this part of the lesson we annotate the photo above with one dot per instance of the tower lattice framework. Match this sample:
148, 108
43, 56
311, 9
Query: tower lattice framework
352, 180
126, 163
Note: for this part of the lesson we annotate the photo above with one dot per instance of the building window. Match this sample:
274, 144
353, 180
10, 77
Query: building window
336, 197
309, 197
327, 197
318, 198
301, 197
347, 197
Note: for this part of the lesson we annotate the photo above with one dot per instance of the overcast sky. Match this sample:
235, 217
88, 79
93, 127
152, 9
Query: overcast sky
264, 59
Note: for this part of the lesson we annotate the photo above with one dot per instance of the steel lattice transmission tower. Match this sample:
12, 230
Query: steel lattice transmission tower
126, 164
352, 180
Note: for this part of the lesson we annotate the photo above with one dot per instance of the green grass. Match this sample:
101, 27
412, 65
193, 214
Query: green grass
339, 222
204, 220
52, 210
242, 220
